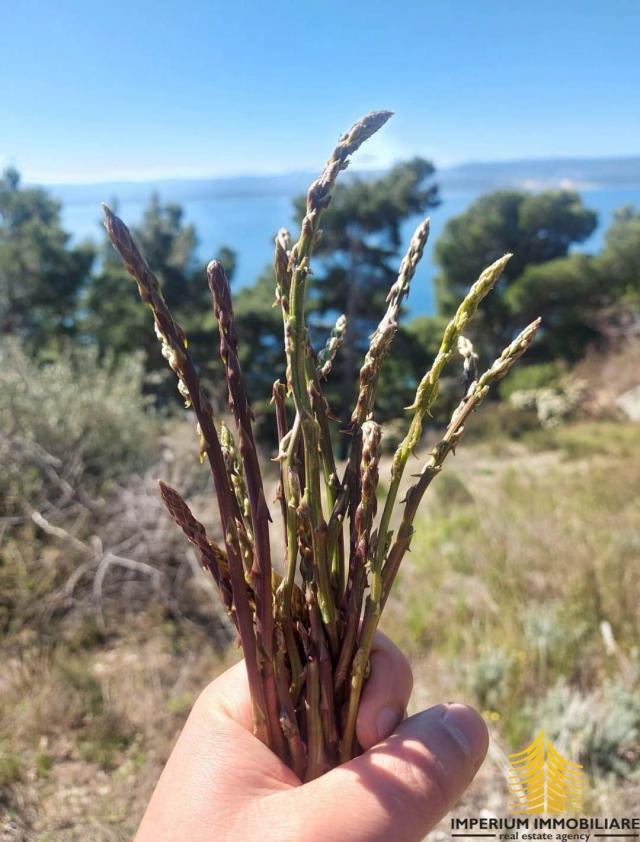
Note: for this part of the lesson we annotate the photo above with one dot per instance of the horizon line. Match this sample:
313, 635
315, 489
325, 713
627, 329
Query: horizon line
186, 177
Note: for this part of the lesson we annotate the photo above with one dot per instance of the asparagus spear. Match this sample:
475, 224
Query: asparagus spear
174, 348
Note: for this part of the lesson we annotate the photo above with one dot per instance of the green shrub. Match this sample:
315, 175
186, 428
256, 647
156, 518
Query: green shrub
499, 423
600, 728
490, 678
69, 420
536, 376
585, 439
10, 768
553, 405
71, 430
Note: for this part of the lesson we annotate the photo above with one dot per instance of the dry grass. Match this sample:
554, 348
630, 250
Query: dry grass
522, 599
85, 732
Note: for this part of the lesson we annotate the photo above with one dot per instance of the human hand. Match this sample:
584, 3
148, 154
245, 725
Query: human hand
221, 783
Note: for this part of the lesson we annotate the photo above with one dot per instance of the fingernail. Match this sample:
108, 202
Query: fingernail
386, 722
468, 731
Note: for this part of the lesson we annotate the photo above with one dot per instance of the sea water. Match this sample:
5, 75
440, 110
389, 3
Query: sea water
247, 224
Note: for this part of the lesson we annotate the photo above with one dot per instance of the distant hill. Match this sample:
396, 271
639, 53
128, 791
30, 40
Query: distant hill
180, 190
578, 173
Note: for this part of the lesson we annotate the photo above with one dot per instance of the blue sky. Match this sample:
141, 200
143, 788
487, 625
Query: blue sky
149, 89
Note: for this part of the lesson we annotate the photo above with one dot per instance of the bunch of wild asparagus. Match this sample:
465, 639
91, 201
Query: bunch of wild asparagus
307, 634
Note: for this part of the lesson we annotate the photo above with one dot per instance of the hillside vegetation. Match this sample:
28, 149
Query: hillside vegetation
521, 599
520, 594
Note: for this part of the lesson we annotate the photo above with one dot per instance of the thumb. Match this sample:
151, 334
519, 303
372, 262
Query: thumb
400, 788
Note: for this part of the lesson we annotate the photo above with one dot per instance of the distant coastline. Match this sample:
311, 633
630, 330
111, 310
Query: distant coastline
476, 176
244, 213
